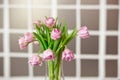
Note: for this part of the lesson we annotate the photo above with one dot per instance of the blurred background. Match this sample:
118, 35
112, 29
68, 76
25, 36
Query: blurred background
97, 58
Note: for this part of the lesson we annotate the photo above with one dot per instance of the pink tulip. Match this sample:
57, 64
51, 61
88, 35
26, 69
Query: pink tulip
36, 43
48, 55
28, 37
22, 43
37, 22
83, 32
50, 22
67, 55
55, 34
35, 60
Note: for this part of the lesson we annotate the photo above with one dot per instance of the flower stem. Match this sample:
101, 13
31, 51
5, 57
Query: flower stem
51, 70
58, 65
57, 74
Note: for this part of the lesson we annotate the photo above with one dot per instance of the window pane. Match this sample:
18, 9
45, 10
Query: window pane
112, 19
36, 48
66, 1
69, 68
113, 2
39, 2
14, 46
18, 18
1, 1
1, 43
18, 1
112, 45
90, 46
69, 17
1, 18
40, 14
89, 68
71, 45
19, 67
39, 70
1, 66
111, 68
90, 18
90, 2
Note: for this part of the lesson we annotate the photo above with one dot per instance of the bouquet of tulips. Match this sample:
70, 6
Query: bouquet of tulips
52, 37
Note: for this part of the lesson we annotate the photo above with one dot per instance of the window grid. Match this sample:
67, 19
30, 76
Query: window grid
78, 61
6, 41
102, 40
119, 42
30, 48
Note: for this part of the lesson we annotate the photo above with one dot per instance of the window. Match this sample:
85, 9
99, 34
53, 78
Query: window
93, 55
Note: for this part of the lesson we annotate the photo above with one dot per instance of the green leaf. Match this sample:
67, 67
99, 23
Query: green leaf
67, 39
70, 37
58, 26
39, 40
56, 44
48, 35
64, 30
51, 44
43, 41
39, 31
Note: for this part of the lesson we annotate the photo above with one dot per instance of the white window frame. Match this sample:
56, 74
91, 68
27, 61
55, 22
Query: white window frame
102, 33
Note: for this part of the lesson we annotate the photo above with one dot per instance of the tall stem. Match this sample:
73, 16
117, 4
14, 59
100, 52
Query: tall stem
51, 70
58, 70
46, 71
55, 69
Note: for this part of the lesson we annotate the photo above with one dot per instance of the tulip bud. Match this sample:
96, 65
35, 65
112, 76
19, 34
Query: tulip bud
50, 22
48, 55
83, 32
55, 34
67, 55
35, 60
22, 43
28, 37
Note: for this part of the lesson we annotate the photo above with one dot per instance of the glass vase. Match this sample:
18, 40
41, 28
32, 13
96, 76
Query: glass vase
58, 73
